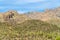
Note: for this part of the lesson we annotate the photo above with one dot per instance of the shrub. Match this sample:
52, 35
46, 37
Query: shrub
58, 38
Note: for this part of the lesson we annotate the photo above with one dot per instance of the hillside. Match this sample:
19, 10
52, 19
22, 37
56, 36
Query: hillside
29, 30
30, 26
13, 16
44, 16
49, 15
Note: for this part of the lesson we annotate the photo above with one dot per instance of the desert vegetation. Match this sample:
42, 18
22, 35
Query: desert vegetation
29, 30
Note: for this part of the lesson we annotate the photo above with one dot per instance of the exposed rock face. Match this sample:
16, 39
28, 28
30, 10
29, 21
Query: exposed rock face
46, 15
9, 15
13, 16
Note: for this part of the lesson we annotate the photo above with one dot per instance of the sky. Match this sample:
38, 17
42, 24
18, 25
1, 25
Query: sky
23, 6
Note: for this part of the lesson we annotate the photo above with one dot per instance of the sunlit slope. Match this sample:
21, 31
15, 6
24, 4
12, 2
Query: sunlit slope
28, 30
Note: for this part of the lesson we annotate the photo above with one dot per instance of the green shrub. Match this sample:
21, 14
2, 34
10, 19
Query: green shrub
58, 38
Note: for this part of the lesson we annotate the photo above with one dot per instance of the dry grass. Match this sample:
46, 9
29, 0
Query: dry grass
28, 30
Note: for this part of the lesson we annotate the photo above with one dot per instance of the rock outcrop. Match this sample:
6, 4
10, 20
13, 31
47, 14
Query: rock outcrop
13, 16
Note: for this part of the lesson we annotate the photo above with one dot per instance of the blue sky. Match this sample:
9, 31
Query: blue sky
28, 5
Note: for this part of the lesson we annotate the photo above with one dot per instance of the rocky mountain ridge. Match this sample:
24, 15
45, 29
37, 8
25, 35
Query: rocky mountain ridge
47, 15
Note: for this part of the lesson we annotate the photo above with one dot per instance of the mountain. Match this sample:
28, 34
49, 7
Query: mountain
13, 16
46, 15
30, 26
49, 15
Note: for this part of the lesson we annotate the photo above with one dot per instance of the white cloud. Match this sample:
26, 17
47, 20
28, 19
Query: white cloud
21, 12
32, 0
27, 1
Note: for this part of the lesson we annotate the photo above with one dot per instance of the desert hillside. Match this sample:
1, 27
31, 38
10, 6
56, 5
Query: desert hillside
13, 16
29, 30
49, 15
30, 26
